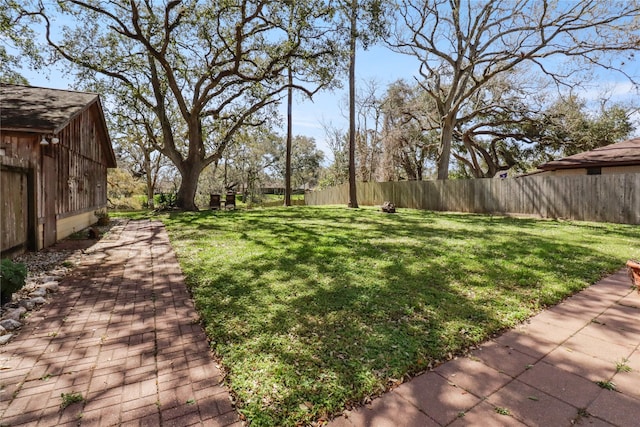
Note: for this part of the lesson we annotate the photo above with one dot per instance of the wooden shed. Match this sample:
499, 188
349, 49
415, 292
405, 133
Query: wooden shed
54, 154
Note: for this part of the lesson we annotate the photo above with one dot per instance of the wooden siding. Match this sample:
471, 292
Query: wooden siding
82, 173
19, 166
21, 150
14, 209
605, 198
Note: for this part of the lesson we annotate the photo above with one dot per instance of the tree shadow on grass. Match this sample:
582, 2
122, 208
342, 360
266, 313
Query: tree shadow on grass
315, 309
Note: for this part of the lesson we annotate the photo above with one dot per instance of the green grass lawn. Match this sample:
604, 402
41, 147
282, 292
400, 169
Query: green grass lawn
314, 308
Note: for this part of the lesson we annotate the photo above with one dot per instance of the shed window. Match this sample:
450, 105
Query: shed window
594, 171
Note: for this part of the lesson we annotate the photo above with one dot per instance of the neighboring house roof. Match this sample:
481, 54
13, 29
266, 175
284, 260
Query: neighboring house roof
625, 153
43, 110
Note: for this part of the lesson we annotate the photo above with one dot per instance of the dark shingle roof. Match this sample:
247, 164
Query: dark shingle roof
43, 110
35, 109
625, 153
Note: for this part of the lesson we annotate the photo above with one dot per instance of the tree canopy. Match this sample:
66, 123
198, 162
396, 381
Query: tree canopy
190, 79
17, 42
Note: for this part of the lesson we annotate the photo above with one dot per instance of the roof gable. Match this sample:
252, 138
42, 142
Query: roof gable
34, 109
43, 110
623, 153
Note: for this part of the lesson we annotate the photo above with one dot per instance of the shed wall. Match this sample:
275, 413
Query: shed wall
82, 173
69, 182
18, 192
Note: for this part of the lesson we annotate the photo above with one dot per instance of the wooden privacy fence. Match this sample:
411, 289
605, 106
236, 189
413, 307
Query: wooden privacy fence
277, 203
604, 198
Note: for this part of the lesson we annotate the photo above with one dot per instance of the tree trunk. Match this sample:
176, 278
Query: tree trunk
150, 201
191, 168
444, 153
185, 199
287, 168
225, 183
149, 179
353, 201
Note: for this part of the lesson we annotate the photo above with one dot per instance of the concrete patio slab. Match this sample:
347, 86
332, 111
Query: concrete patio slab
486, 415
589, 367
616, 408
595, 347
438, 398
532, 406
473, 376
391, 411
526, 341
562, 385
503, 358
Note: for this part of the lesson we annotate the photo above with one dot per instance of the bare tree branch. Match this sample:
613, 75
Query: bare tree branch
465, 45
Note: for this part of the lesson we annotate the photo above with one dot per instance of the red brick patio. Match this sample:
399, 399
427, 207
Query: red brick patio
123, 332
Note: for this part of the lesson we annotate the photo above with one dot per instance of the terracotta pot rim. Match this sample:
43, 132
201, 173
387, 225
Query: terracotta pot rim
633, 264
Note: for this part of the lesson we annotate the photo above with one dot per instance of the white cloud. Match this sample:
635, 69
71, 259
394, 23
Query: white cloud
614, 90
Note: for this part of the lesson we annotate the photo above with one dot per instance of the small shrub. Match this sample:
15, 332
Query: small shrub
167, 200
12, 278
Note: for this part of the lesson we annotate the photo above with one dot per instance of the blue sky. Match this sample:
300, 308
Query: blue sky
377, 63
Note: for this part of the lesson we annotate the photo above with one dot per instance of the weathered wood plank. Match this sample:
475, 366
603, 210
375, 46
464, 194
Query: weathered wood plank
605, 198
14, 209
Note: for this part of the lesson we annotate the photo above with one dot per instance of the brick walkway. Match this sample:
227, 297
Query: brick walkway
122, 332
543, 373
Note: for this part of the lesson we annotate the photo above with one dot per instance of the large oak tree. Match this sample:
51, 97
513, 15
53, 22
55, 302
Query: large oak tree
217, 65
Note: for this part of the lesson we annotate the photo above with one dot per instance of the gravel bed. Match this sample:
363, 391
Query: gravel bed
58, 260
